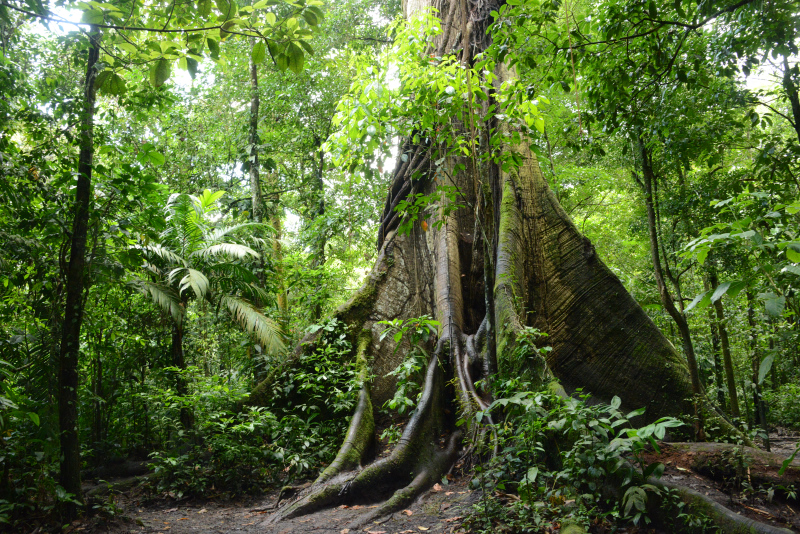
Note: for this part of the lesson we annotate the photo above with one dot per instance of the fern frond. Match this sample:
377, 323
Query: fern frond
233, 271
255, 322
165, 254
226, 249
192, 278
217, 234
162, 296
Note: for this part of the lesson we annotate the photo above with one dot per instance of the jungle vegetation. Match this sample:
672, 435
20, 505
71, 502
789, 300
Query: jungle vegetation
247, 244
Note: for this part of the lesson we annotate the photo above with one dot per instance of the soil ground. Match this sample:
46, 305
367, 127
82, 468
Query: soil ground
441, 510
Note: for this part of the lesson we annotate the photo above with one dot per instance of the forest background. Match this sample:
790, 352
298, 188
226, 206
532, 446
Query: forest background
205, 163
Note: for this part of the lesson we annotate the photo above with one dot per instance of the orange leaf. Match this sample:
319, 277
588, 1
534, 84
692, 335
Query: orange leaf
408, 512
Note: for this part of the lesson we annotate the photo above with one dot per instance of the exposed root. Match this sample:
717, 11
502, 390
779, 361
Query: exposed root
414, 462
403, 497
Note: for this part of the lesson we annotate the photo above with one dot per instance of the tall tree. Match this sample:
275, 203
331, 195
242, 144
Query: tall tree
472, 235
70, 465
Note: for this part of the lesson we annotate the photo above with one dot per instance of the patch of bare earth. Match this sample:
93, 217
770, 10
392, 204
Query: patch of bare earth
740, 480
440, 510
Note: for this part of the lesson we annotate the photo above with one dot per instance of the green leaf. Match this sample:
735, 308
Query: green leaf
227, 9
93, 16
700, 301
773, 304
792, 255
310, 18
156, 158
192, 65
296, 58
766, 365
159, 72
259, 52
204, 8
213, 47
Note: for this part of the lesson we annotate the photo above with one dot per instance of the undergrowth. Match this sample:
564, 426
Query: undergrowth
557, 457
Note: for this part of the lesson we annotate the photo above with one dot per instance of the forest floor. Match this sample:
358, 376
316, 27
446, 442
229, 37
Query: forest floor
441, 510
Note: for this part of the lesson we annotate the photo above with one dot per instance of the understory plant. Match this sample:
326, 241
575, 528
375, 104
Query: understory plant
245, 450
557, 456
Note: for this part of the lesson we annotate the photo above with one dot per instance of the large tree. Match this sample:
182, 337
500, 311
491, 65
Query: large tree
473, 236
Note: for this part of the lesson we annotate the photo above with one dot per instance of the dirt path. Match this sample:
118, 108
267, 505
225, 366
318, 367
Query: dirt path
439, 511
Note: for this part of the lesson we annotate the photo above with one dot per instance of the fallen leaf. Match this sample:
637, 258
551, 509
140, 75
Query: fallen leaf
345, 531
182, 518
202, 511
446, 505
408, 512
437, 487
456, 518
406, 532
376, 532
679, 468
449, 492
357, 507
423, 528
344, 506
170, 510
250, 523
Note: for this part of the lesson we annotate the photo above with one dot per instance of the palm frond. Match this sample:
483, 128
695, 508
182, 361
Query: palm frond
217, 234
233, 271
192, 278
162, 296
184, 221
255, 322
226, 249
165, 254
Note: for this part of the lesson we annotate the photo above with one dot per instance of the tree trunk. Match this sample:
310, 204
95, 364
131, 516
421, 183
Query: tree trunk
759, 411
253, 141
727, 360
181, 384
70, 462
321, 240
715, 348
667, 301
508, 259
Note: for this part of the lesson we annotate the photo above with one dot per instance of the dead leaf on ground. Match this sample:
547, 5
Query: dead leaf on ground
343, 507
182, 518
357, 507
202, 511
376, 532
437, 487
423, 528
170, 510
445, 506
456, 518
408, 512
345, 531
406, 531
449, 492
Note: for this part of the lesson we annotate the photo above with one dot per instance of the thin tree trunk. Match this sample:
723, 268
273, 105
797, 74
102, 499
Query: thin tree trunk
759, 411
70, 462
727, 359
253, 146
715, 348
322, 238
792, 94
181, 384
666, 298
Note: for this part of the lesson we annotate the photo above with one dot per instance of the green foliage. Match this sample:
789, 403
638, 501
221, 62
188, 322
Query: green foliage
239, 452
555, 449
417, 332
784, 408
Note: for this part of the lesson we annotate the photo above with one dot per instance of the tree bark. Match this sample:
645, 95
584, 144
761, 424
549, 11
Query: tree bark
253, 141
70, 462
